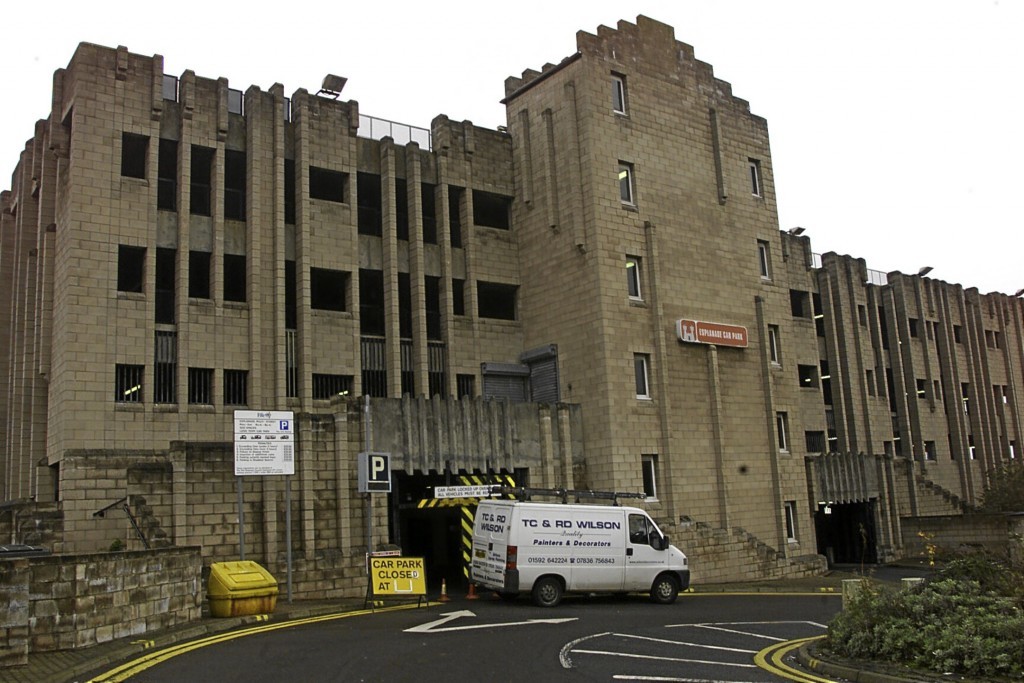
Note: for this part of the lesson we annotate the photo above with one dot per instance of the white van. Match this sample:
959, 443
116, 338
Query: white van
547, 549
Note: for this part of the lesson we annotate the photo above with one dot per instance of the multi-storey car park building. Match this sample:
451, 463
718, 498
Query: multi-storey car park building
529, 303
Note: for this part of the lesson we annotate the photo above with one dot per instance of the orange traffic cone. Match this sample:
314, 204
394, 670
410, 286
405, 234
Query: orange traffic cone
472, 592
444, 592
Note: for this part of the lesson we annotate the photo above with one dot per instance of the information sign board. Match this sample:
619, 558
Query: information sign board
264, 442
397, 576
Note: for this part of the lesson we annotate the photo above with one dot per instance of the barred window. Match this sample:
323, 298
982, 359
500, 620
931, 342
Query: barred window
200, 386
236, 387
329, 386
128, 383
165, 367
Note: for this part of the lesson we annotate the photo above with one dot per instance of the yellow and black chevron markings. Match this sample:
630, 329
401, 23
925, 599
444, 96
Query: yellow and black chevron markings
467, 508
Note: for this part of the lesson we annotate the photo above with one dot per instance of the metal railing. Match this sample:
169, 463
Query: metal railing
376, 129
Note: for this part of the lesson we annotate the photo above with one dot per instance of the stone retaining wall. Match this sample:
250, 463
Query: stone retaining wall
73, 601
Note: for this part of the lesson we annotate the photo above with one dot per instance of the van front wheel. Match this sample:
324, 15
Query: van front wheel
547, 592
665, 589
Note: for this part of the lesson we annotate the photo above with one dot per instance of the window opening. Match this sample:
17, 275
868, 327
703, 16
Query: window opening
649, 467
165, 296
167, 175
199, 274
492, 210
327, 289
234, 185
496, 300
200, 386
755, 176
640, 362
326, 387
327, 185
626, 186
633, 277
128, 383
618, 93
234, 277
371, 303
131, 263
201, 174
133, 155
236, 387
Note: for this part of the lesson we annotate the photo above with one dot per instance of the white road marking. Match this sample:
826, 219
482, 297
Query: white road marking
665, 659
682, 642
666, 679
742, 633
564, 657
434, 626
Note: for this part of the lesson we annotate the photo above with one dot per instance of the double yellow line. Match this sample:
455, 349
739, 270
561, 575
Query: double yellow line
770, 659
136, 666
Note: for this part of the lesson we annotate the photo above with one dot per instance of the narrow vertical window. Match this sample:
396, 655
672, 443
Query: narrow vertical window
234, 185
633, 277
782, 431
755, 177
234, 277
649, 467
640, 362
199, 274
618, 93
791, 521
200, 386
167, 175
201, 179
773, 345
626, 188
763, 260
236, 387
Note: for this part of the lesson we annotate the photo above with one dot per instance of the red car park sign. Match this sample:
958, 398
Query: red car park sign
720, 334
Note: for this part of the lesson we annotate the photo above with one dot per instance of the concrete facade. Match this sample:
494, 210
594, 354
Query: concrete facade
174, 249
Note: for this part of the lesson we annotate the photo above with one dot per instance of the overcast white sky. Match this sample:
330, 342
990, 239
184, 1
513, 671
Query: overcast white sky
896, 125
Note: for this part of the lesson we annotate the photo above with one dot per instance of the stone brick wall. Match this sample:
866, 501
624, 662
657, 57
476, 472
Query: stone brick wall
993, 533
725, 555
73, 601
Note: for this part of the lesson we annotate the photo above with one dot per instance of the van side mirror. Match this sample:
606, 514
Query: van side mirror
659, 542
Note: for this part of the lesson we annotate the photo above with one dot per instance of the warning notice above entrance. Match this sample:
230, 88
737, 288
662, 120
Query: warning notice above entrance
264, 442
720, 334
397, 576
462, 491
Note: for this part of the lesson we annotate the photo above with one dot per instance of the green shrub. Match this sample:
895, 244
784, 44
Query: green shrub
948, 625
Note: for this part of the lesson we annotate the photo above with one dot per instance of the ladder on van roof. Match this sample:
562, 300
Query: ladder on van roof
527, 492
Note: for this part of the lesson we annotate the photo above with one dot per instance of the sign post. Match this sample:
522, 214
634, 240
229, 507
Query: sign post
265, 445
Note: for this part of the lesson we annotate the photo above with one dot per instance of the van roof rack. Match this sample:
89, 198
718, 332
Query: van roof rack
527, 492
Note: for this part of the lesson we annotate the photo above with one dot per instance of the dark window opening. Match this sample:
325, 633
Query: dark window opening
290, 296
819, 315
234, 185
428, 206
815, 442
374, 375
369, 202
492, 210
432, 293
289, 191
200, 386
912, 323
167, 175
371, 302
234, 277
326, 387
236, 387
808, 376
402, 209
327, 289
404, 307
128, 383
199, 274
133, 155
165, 368
327, 184
131, 268
922, 388
406, 374
862, 315
455, 194
458, 297
826, 383
799, 303
201, 179
883, 326
465, 386
958, 334
165, 285
890, 389
496, 300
